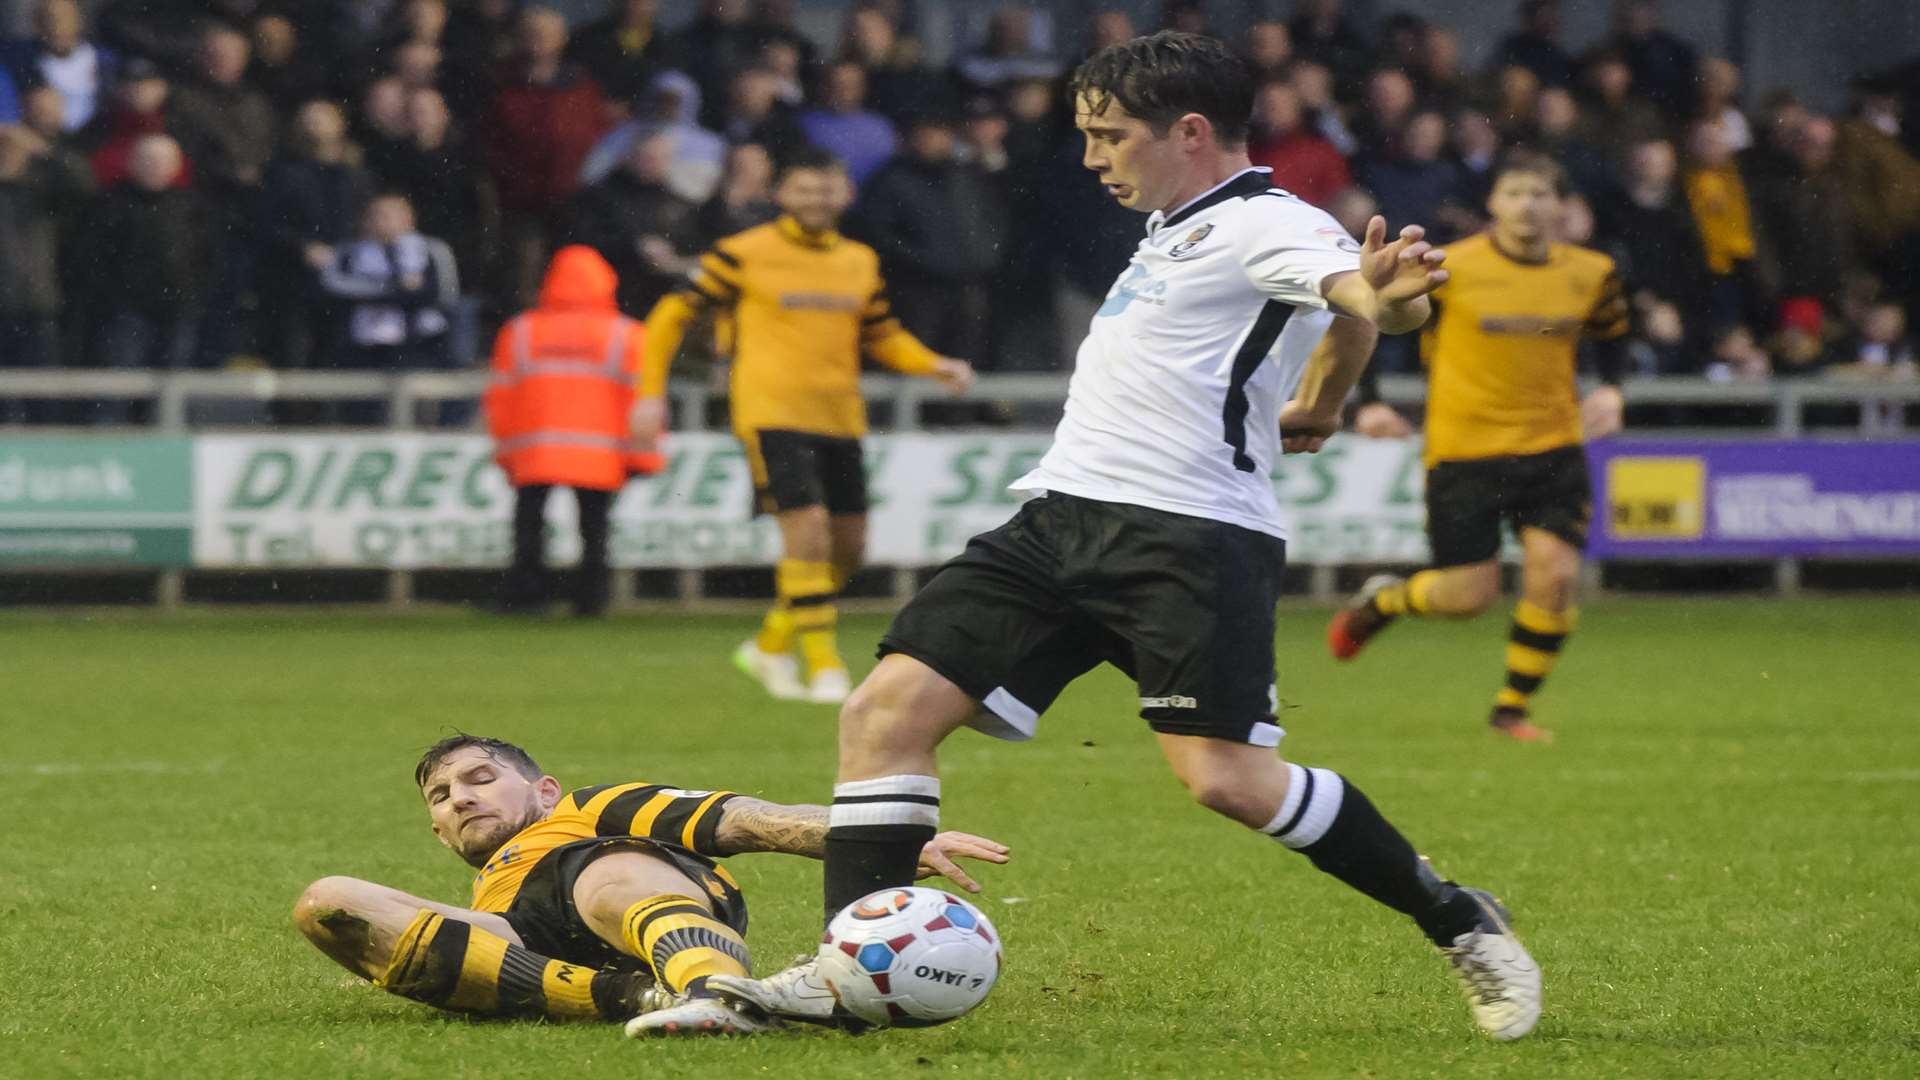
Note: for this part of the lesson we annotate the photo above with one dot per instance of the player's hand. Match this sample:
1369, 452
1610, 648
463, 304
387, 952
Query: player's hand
955, 375
1404, 270
936, 859
1302, 431
648, 421
1379, 420
1602, 413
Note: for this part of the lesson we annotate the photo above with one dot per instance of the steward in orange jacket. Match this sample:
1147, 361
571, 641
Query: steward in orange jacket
563, 384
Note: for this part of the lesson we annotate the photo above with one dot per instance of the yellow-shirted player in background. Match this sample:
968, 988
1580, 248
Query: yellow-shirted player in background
598, 904
1504, 429
804, 303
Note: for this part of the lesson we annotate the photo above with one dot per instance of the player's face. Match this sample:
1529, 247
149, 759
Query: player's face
1140, 170
1524, 206
814, 197
477, 802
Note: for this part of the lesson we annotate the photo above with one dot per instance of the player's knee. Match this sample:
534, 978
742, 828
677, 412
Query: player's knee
1226, 796
878, 724
869, 715
806, 535
1562, 581
1480, 594
324, 901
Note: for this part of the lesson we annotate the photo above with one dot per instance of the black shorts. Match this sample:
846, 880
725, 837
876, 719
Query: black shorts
1468, 500
544, 916
1184, 605
793, 470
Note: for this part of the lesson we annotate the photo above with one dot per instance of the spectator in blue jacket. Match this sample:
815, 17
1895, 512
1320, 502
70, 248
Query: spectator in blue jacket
398, 289
60, 55
843, 125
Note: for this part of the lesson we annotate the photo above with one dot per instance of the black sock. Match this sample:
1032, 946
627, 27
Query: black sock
875, 833
1334, 824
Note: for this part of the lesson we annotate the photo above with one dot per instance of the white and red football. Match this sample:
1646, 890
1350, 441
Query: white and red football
910, 957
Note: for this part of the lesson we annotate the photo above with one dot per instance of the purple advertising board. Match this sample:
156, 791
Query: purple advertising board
1705, 499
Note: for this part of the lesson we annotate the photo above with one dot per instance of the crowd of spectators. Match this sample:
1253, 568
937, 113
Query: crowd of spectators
373, 184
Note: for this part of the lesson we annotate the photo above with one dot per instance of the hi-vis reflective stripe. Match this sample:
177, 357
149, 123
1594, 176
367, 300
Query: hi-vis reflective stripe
612, 367
584, 440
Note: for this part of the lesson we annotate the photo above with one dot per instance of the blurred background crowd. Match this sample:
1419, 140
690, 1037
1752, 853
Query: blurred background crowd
374, 184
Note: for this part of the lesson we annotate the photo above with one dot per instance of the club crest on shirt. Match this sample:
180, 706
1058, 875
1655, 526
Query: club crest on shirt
1185, 247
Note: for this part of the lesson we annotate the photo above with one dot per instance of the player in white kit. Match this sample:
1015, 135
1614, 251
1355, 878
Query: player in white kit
1154, 541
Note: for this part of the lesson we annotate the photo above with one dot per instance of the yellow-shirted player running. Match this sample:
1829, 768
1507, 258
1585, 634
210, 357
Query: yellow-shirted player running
804, 303
1504, 430
603, 903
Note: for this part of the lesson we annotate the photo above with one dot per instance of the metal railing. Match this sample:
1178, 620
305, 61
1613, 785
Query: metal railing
182, 401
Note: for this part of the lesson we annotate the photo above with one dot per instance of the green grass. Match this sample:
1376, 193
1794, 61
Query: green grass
1718, 864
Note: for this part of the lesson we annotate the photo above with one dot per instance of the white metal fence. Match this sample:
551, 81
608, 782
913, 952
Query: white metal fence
192, 400
198, 403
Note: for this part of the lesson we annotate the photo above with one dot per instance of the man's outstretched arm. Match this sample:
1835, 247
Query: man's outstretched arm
1335, 366
1390, 288
748, 825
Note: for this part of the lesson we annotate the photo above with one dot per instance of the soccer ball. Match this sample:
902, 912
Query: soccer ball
910, 957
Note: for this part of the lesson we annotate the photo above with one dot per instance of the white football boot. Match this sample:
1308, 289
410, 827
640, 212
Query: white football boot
778, 673
1500, 980
830, 686
697, 1016
798, 993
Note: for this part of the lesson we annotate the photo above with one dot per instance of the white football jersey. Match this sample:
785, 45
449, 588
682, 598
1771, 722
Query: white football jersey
1176, 393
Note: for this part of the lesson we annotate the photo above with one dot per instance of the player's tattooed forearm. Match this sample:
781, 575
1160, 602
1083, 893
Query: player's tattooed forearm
756, 825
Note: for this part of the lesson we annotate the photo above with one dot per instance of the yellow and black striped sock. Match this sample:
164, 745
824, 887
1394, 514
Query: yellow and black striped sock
1532, 647
1409, 597
682, 942
776, 630
454, 965
791, 578
808, 588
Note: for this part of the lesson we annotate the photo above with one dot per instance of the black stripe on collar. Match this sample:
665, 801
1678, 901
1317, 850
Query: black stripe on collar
1248, 183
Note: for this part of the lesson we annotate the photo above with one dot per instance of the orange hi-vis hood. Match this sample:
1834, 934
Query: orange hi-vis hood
578, 278
563, 383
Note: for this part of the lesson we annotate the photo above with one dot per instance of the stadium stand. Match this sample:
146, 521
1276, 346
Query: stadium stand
1775, 242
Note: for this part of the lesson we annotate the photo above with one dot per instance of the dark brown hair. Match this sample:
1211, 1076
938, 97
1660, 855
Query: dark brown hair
498, 749
1163, 77
1533, 163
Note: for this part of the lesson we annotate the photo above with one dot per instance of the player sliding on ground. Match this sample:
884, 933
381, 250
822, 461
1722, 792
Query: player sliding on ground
804, 303
1155, 542
598, 904
1503, 433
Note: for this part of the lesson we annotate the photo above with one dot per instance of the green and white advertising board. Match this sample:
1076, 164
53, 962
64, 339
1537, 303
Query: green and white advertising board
108, 501
419, 500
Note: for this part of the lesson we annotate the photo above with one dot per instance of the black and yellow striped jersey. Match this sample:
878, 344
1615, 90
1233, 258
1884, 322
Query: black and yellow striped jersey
1502, 348
666, 815
803, 308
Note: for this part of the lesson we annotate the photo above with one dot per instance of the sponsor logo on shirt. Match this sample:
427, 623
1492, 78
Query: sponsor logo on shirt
813, 301
1138, 285
1340, 239
1529, 326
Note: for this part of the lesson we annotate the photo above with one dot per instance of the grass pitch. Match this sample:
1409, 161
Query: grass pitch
1718, 864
